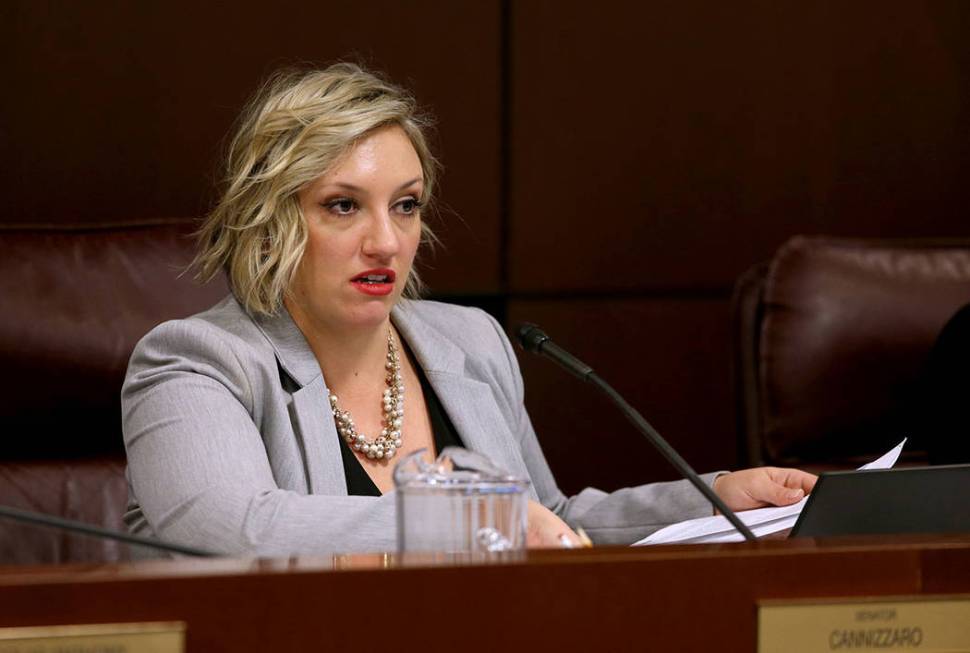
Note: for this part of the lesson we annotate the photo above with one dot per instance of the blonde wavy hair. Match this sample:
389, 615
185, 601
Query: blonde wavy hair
294, 130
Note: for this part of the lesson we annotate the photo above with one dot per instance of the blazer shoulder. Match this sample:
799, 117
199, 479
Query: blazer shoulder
468, 327
486, 353
221, 342
225, 325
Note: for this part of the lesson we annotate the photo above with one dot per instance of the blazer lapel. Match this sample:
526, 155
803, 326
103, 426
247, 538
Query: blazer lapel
472, 408
310, 409
469, 402
310, 412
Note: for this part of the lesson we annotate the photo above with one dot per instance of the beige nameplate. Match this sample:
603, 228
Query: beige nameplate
905, 624
149, 637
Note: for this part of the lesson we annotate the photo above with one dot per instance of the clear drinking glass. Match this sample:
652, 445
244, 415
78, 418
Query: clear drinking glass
460, 505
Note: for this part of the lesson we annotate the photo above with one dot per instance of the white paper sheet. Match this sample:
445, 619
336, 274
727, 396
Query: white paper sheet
761, 521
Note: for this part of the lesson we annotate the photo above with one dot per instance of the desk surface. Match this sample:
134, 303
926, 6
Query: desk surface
677, 598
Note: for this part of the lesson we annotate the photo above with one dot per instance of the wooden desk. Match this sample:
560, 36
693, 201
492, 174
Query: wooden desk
677, 598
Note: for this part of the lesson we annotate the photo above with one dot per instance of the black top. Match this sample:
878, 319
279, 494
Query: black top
445, 435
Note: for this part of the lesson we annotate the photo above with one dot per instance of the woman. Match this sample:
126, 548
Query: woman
270, 423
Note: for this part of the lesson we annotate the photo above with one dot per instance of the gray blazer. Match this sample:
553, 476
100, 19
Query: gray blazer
232, 447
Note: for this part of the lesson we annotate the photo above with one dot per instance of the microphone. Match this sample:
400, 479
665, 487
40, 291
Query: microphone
535, 340
50, 521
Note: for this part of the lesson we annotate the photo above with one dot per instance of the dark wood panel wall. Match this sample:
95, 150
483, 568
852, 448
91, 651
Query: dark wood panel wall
660, 149
610, 168
116, 111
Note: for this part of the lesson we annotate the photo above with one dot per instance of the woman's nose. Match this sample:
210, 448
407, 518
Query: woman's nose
381, 239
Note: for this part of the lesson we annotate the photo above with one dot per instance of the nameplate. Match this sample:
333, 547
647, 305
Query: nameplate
926, 624
148, 637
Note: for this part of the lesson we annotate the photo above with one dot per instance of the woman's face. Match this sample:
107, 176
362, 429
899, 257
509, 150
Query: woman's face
363, 221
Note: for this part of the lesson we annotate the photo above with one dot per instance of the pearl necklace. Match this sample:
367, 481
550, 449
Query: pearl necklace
389, 441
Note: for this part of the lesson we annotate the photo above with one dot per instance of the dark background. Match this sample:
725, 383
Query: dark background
610, 167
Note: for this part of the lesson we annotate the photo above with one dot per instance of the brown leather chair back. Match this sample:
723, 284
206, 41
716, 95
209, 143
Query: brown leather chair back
73, 303
830, 341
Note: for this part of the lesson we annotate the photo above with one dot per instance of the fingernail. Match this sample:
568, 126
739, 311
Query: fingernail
795, 494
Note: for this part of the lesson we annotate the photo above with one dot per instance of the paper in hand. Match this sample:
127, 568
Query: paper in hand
761, 521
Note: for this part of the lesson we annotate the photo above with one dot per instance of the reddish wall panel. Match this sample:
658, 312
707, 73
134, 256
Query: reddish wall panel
117, 110
672, 145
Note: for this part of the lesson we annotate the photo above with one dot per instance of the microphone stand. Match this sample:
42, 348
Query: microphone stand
72, 526
533, 339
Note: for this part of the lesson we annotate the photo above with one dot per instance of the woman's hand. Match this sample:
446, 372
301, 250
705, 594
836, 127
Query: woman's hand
546, 530
763, 486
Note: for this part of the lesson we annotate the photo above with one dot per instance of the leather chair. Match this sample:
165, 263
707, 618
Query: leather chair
830, 341
73, 303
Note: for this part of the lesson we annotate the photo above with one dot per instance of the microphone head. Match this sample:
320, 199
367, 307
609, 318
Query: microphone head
531, 337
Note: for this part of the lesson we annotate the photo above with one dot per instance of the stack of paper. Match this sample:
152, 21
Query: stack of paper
762, 521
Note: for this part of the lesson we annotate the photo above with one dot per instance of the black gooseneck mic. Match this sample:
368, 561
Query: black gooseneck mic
534, 339
50, 521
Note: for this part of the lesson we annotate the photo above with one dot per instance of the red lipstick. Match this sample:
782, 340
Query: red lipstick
377, 282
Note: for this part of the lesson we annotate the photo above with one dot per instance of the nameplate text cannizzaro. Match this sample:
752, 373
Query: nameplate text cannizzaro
925, 624
147, 637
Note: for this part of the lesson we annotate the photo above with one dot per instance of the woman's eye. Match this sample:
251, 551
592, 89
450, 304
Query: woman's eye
408, 206
342, 206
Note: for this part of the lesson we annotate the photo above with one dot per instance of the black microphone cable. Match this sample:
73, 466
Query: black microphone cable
71, 526
535, 340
